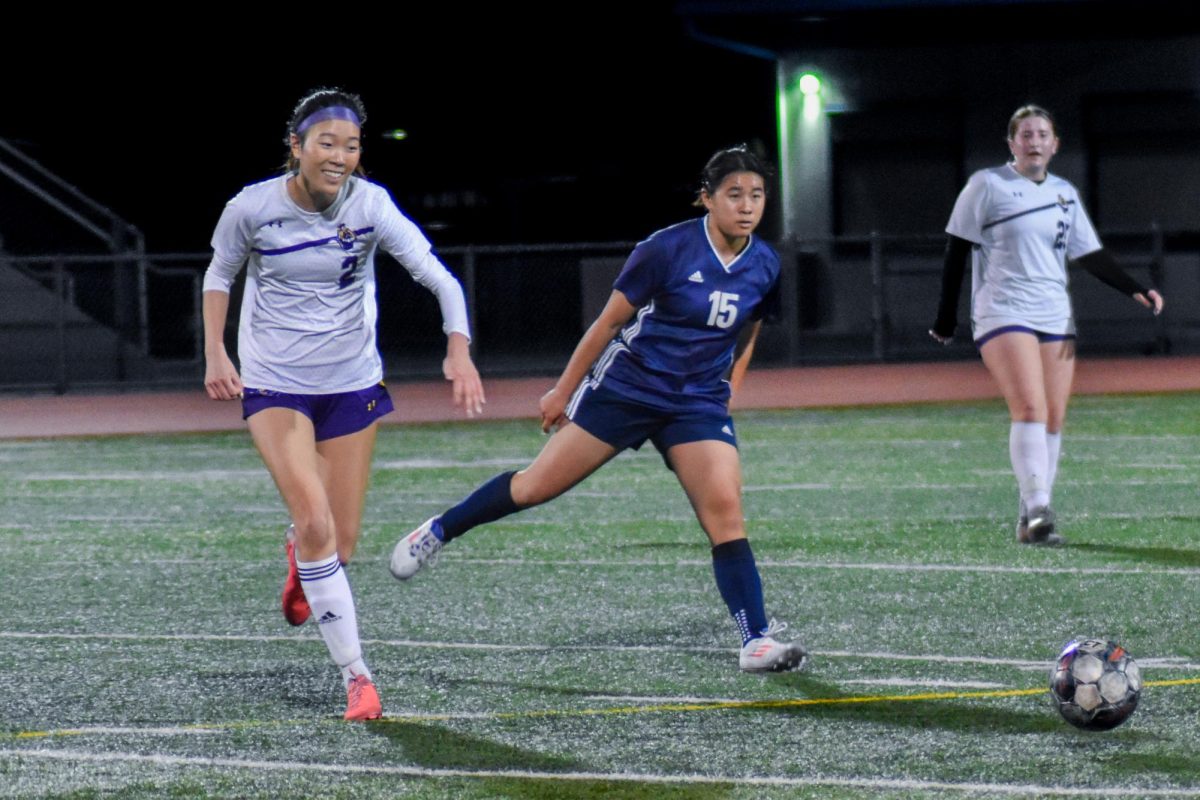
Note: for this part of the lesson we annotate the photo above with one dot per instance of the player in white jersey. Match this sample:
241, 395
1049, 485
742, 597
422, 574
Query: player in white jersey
311, 376
1021, 225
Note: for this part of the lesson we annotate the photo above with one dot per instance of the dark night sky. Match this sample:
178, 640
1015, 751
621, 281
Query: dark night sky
596, 132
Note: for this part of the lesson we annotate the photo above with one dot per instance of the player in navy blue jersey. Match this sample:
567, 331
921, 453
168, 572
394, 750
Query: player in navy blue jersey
683, 315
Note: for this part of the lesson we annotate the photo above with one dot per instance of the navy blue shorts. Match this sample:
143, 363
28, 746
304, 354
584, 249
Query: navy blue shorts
332, 415
1042, 336
622, 423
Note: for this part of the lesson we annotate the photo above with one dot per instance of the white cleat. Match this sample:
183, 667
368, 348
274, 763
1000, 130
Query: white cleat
414, 551
765, 654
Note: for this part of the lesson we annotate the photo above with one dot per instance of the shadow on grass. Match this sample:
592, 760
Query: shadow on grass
536, 688
1167, 556
608, 790
964, 715
1179, 766
438, 747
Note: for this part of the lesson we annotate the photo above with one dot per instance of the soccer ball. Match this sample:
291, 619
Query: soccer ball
1095, 684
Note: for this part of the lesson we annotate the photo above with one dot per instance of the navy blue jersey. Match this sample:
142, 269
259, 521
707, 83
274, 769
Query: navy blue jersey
677, 350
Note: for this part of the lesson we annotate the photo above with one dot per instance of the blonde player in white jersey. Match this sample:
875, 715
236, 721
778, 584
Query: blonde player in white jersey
311, 377
1021, 225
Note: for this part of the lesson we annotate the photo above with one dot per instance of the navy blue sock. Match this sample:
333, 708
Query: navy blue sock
740, 587
489, 502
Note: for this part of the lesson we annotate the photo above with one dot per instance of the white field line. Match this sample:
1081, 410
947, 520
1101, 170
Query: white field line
1159, 466
932, 683
1169, 662
109, 730
159, 760
946, 487
116, 517
1107, 439
659, 700
814, 444
705, 564
149, 475
836, 565
449, 463
785, 487
185, 476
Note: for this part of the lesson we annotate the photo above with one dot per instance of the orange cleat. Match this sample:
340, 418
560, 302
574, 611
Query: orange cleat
362, 701
295, 604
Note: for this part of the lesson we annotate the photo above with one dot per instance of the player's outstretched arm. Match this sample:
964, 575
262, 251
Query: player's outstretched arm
1102, 264
617, 311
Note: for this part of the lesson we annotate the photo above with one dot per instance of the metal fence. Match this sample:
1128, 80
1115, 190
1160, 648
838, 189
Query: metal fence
132, 318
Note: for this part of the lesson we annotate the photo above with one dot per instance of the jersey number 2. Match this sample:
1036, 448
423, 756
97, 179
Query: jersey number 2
723, 312
349, 267
1060, 239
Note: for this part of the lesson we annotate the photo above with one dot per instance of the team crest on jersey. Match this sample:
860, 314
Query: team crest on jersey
1063, 203
346, 237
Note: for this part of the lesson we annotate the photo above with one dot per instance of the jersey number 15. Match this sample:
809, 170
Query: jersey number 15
724, 310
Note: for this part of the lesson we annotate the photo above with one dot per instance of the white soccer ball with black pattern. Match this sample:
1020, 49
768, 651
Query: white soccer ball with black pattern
1095, 684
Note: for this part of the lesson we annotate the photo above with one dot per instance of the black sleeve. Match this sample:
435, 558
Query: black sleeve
1101, 264
954, 266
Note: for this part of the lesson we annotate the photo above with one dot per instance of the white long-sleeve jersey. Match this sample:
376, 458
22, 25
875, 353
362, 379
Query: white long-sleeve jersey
308, 316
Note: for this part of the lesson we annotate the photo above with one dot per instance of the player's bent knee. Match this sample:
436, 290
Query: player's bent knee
313, 529
528, 490
723, 524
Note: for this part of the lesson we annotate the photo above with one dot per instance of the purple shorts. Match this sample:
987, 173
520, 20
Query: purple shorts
1042, 336
332, 415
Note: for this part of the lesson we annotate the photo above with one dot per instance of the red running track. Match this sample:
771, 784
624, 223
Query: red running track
803, 387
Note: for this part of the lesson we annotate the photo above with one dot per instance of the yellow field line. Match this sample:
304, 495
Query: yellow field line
623, 710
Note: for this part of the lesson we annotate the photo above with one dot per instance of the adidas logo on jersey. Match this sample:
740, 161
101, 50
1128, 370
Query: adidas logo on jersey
696, 277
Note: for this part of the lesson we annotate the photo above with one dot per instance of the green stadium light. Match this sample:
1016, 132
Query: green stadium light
399, 134
810, 84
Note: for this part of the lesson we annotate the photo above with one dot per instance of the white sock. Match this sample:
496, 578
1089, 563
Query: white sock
332, 604
1027, 449
1053, 449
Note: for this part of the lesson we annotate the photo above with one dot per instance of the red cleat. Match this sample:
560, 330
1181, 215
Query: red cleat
362, 701
295, 604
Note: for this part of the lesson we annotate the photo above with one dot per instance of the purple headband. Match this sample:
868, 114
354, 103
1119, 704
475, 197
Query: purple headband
327, 113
